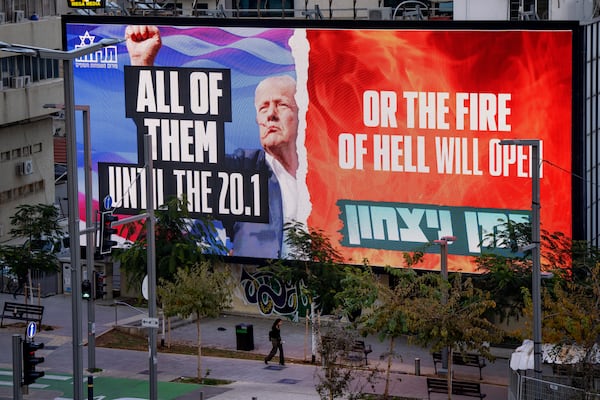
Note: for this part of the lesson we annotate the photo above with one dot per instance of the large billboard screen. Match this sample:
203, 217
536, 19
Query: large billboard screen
384, 138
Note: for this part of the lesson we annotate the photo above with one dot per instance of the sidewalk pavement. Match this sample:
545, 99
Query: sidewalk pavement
252, 379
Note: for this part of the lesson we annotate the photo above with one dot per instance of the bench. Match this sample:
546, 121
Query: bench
357, 351
459, 388
360, 350
469, 360
22, 312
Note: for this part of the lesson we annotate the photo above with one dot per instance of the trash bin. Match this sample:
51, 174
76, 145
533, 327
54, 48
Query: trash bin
244, 337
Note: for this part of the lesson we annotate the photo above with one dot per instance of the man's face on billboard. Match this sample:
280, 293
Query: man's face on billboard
276, 113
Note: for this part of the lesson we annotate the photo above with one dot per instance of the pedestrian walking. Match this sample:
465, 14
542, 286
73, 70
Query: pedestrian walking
275, 338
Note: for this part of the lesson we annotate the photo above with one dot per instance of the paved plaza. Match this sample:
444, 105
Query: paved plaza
128, 370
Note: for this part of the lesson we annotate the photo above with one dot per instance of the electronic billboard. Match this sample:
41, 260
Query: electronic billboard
396, 130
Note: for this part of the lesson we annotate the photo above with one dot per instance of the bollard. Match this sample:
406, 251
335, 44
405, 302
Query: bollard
90, 387
417, 366
201, 395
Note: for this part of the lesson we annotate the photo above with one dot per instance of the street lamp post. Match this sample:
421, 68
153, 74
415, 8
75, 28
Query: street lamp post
151, 265
67, 58
443, 242
535, 248
90, 230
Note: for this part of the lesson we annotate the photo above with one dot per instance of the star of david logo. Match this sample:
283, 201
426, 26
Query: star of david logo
86, 39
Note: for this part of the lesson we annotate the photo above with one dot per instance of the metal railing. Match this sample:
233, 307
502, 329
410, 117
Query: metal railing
523, 387
117, 303
18, 10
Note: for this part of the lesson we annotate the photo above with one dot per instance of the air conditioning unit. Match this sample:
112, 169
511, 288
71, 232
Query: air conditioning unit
381, 13
26, 167
2, 18
58, 115
17, 82
19, 16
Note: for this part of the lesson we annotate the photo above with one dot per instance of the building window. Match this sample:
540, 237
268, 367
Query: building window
21, 191
36, 69
273, 8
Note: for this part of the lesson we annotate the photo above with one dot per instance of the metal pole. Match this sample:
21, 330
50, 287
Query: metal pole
73, 204
444, 272
443, 242
536, 275
90, 236
152, 311
17, 361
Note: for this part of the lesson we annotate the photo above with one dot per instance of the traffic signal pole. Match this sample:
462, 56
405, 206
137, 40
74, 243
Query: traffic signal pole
150, 264
90, 234
17, 357
91, 229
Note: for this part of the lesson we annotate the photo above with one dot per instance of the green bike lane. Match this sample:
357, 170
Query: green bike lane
104, 388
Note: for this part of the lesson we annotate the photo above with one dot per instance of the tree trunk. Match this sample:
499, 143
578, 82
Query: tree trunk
305, 335
30, 285
449, 372
314, 331
199, 371
389, 367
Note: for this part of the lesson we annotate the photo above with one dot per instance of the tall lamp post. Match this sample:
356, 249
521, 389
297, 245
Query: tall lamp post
443, 242
90, 230
67, 58
535, 248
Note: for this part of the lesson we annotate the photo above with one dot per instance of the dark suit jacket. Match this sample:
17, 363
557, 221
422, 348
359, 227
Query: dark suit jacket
250, 239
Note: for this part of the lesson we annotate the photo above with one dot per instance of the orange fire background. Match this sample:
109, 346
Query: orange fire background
534, 67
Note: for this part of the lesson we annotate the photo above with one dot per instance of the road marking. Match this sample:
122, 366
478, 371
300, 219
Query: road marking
57, 377
33, 385
49, 377
38, 386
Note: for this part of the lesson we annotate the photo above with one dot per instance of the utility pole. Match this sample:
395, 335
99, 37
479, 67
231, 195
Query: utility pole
443, 242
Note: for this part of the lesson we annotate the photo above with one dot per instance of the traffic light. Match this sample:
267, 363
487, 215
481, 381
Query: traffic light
106, 231
30, 361
100, 285
86, 289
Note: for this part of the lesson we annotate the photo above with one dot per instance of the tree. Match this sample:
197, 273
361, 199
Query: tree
198, 291
506, 270
504, 277
385, 304
36, 225
180, 242
571, 310
457, 324
411, 304
316, 263
338, 378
